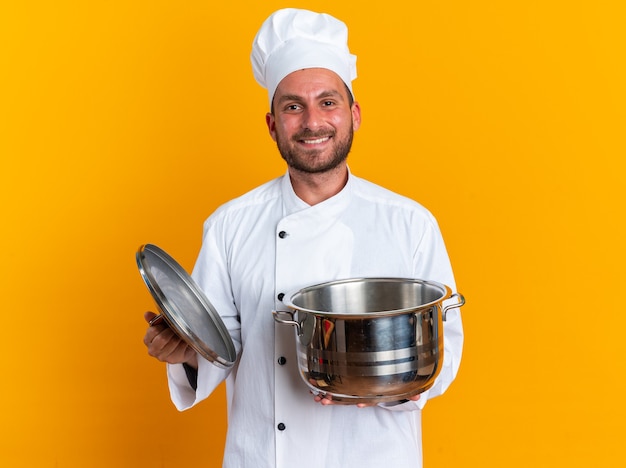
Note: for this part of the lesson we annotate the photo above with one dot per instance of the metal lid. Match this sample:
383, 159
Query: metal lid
184, 307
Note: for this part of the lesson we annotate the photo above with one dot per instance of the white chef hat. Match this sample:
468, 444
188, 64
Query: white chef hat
292, 39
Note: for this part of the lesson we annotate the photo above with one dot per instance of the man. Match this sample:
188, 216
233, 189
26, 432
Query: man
315, 224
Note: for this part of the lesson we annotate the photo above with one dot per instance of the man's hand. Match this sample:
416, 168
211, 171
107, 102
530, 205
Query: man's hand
166, 346
328, 400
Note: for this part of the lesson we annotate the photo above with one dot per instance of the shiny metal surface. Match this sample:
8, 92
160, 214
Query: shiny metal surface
369, 340
184, 307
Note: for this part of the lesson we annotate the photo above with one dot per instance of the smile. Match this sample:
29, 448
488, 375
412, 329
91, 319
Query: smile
316, 141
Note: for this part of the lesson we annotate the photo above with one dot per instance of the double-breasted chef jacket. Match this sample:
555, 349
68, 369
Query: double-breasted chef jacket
268, 242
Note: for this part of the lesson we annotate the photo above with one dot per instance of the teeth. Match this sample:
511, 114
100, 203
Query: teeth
314, 142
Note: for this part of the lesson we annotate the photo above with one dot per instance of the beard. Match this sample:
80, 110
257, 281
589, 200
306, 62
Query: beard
308, 161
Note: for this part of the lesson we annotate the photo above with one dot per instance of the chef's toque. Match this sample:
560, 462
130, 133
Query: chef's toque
292, 39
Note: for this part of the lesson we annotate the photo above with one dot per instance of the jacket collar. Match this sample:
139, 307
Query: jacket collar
335, 204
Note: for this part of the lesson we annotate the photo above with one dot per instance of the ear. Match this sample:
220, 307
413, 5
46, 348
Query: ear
271, 124
356, 116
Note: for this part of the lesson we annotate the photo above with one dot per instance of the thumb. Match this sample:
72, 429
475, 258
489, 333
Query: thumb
149, 316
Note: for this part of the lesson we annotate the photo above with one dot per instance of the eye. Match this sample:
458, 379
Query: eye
328, 103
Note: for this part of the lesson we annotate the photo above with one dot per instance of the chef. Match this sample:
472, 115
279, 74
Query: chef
316, 223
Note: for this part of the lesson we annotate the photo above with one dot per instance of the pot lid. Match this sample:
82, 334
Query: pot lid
185, 308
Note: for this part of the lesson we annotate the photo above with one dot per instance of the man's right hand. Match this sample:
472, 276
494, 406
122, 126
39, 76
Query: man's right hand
166, 346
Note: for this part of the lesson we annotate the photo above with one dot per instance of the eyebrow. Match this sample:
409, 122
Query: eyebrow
323, 94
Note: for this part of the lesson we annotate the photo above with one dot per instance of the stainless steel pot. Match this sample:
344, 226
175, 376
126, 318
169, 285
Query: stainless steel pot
369, 340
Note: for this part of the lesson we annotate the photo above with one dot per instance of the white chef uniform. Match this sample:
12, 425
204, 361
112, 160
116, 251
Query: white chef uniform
269, 242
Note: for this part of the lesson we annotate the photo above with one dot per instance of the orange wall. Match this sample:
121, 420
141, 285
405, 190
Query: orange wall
123, 123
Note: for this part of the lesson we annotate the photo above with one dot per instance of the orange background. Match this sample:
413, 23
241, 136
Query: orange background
123, 123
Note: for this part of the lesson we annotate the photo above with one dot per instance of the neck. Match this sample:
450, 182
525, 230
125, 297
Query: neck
315, 188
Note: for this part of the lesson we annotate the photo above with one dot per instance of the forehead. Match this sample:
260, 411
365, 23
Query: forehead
311, 82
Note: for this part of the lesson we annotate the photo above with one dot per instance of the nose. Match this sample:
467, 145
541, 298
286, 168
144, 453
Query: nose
312, 118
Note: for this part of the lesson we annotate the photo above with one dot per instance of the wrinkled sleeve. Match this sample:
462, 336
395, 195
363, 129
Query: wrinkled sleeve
431, 262
212, 276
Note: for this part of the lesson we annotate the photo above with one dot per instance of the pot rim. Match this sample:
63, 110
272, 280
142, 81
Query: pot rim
446, 293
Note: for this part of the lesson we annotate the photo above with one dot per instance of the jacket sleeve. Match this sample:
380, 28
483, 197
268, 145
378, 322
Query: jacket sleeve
211, 275
431, 262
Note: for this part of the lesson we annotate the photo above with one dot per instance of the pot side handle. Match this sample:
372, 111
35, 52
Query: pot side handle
445, 310
278, 317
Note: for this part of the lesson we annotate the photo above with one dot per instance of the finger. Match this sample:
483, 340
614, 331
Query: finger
161, 343
158, 332
149, 316
155, 319
190, 355
179, 354
327, 400
165, 343
175, 350
321, 398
